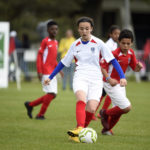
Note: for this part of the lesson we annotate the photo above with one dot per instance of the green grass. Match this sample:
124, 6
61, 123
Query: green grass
18, 132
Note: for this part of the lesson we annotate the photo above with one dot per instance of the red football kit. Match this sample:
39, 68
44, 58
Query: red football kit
46, 63
124, 60
117, 93
47, 56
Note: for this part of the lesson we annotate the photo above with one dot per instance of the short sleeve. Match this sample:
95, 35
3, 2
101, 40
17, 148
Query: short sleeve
67, 60
104, 64
106, 52
133, 61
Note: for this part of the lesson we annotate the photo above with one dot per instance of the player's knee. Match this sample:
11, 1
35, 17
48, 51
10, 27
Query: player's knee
52, 94
91, 110
127, 109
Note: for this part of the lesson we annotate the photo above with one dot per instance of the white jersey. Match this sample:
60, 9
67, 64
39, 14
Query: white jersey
87, 58
111, 44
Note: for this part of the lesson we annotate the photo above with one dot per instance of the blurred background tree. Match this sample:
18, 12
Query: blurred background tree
24, 16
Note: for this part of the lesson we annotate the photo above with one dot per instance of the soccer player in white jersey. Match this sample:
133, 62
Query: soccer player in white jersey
114, 33
87, 81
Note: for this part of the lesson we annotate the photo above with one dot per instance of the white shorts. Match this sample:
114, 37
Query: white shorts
52, 87
93, 90
117, 95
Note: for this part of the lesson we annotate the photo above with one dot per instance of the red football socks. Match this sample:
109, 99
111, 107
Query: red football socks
114, 111
80, 113
45, 100
37, 101
48, 98
112, 120
107, 102
88, 119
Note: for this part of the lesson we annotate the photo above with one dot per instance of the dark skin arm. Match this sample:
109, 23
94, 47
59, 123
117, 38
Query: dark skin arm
138, 67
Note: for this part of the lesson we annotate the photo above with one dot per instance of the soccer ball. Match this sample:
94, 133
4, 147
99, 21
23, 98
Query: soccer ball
88, 135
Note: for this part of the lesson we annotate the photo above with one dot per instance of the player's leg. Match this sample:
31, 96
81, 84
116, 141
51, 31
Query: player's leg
112, 120
94, 94
122, 104
90, 111
46, 102
107, 102
51, 91
80, 113
103, 95
80, 87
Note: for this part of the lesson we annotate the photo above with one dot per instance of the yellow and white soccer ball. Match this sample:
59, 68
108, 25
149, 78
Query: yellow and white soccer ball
88, 135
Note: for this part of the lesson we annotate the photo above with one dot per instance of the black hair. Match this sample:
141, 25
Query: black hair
85, 19
50, 23
112, 28
126, 34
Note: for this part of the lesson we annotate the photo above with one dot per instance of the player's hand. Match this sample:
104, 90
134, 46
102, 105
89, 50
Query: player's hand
112, 82
138, 67
47, 81
123, 82
40, 76
62, 74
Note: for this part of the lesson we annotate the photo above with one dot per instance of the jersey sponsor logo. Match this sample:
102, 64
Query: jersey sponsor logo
50, 46
93, 49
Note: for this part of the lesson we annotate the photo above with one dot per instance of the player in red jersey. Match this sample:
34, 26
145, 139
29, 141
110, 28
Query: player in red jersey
112, 43
46, 62
126, 57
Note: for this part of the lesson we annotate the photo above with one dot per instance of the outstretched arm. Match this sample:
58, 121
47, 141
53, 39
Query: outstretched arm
58, 68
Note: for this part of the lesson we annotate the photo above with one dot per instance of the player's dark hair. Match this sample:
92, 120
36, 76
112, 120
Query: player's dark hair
112, 28
85, 19
50, 23
126, 34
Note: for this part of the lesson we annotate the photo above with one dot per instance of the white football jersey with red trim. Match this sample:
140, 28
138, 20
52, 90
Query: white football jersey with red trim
87, 57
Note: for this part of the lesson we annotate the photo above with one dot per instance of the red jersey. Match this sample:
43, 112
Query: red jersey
47, 56
123, 60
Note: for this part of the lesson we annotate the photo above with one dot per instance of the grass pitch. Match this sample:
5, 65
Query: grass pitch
18, 132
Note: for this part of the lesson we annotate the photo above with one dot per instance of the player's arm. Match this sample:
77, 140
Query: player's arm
138, 67
123, 81
104, 67
110, 80
66, 61
58, 68
135, 64
61, 72
39, 62
108, 56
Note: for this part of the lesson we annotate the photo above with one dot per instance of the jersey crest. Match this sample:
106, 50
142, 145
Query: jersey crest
93, 49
